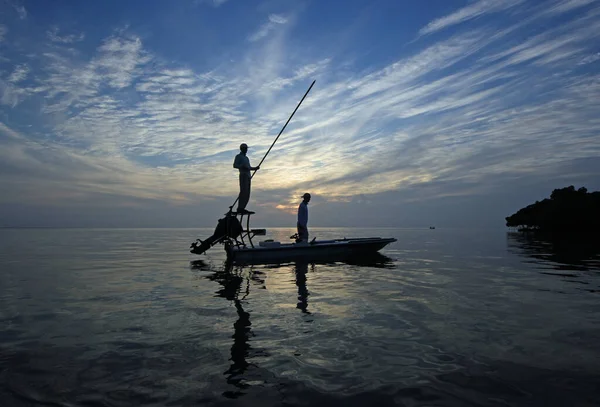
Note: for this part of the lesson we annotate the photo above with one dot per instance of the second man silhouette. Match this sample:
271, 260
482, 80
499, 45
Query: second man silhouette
303, 218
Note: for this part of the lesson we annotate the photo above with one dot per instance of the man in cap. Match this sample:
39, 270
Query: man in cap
242, 163
303, 218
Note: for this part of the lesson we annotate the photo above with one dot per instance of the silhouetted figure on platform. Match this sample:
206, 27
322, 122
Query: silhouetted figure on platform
303, 218
242, 163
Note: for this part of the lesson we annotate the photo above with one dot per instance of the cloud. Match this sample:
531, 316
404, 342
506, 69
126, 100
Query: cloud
21, 11
7, 131
266, 28
12, 92
75, 84
214, 3
53, 36
277, 19
590, 59
564, 42
118, 59
470, 12
463, 115
562, 6
3, 31
19, 73
60, 175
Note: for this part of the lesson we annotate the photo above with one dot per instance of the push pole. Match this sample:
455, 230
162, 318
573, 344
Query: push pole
277, 138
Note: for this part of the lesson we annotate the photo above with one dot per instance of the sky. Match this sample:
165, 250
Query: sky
451, 113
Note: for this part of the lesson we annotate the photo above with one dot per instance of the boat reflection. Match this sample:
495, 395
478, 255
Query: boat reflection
580, 253
301, 269
235, 281
376, 260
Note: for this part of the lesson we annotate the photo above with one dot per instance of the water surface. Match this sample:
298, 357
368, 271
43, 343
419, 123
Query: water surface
127, 317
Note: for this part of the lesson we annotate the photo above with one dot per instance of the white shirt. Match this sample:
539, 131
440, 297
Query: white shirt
303, 214
242, 163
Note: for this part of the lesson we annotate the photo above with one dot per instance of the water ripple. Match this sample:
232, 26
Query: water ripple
445, 318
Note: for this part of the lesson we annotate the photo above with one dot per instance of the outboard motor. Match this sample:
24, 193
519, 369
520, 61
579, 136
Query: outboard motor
227, 227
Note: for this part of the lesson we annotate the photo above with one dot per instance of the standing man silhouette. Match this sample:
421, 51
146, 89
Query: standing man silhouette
303, 218
242, 163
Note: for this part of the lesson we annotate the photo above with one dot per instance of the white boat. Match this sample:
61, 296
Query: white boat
241, 248
336, 250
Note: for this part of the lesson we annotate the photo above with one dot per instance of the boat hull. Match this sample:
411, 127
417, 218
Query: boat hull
333, 250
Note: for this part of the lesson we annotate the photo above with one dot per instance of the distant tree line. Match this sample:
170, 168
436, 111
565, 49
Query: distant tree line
567, 210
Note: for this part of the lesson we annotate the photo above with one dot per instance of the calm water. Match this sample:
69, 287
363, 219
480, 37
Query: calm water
442, 318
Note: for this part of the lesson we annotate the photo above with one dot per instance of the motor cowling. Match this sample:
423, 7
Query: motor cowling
229, 226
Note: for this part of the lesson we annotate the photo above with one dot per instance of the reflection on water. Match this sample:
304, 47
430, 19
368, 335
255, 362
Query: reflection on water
301, 269
118, 318
574, 258
473, 383
235, 287
573, 252
373, 260
232, 289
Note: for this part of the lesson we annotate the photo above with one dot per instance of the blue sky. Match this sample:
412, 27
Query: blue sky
453, 113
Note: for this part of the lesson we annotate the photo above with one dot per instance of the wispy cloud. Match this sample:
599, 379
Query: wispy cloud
3, 31
562, 6
11, 90
457, 116
54, 173
477, 9
118, 60
214, 3
273, 21
53, 35
18, 8
7, 131
19, 73
590, 59
22, 12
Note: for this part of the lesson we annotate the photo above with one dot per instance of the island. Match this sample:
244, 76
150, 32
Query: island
567, 210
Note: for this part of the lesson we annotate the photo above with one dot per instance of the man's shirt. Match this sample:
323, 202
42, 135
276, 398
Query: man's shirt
242, 163
303, 214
